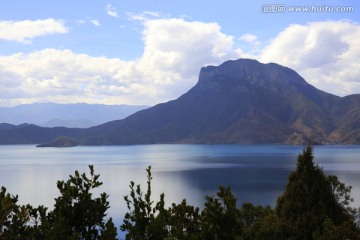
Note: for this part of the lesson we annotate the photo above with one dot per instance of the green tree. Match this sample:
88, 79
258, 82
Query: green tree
269, 227
13, 217
340, 191
143, 221
220, 216
251, 221
310, 198
340, 232
184, 221
76, 214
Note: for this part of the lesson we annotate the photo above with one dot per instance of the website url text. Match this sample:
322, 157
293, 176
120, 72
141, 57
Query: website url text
282, 8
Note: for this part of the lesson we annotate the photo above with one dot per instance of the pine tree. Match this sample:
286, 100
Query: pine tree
309, 200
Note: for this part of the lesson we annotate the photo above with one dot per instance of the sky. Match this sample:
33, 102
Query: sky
144, 52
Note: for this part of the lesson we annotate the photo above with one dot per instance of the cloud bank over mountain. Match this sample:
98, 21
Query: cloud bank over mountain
326, 53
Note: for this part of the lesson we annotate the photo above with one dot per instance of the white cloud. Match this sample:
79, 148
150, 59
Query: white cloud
179, 48
254, 43
326, 54
249, 38
145, 16
54, 75
25, 31
153, 14
96, 23
174, 52
111, 11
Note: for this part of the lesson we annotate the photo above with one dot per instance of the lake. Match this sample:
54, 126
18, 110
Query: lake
256, 173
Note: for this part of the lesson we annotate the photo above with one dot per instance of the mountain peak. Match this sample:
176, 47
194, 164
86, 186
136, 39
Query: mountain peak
253, 72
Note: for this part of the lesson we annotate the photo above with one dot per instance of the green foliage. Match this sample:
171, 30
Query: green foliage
109, 232
340, 191
252, 221
310, 198
218, 220
76, 214
268, 227
330, 231
184, 221
143, 221
13, 218
219, 217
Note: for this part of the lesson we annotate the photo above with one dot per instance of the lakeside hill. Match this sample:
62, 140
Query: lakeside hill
239, 102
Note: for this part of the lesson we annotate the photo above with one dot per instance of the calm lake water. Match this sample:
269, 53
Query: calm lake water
256, 173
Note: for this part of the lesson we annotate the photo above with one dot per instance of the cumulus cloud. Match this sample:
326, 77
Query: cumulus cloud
174, 52
111, 11
249, 38
177, 49
253, 42
25, 31
326, 54
54, 75
95, 22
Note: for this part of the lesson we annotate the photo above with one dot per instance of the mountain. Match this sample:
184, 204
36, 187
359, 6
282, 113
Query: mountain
32, 134
239, 102
6, 126
70, 123
80, 115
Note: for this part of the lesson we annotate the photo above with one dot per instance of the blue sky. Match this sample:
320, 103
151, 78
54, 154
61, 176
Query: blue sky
150, 51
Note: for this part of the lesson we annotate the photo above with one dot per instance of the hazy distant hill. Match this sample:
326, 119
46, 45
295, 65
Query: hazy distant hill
238, 102
70, 123
66, 115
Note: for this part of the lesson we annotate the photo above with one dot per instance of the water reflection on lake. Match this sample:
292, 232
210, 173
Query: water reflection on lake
256, 173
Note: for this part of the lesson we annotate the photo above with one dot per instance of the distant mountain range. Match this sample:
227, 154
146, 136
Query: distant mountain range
238, 102
80, 115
